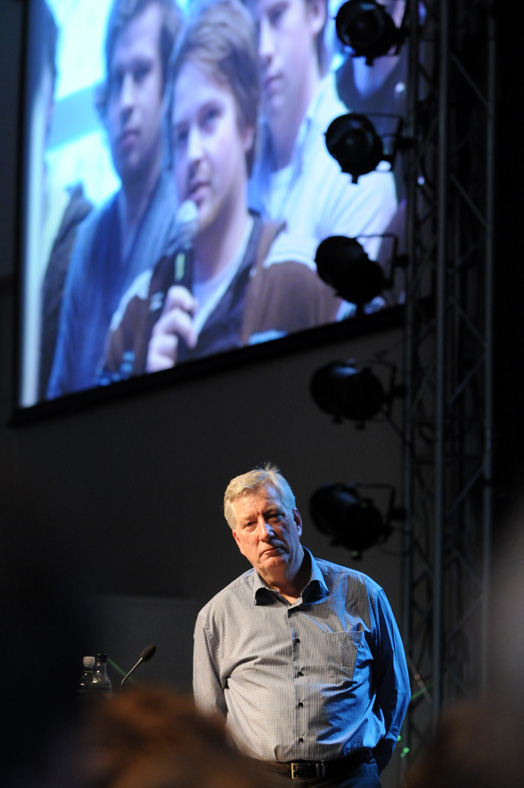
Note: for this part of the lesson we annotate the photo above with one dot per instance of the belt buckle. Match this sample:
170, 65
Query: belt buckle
320, 769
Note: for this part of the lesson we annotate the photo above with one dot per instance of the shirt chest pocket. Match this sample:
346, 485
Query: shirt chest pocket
341, 653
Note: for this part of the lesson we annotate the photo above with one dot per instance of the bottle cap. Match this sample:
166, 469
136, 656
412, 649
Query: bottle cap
88, 662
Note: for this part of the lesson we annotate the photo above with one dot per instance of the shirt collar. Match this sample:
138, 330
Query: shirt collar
324, 106
315, 588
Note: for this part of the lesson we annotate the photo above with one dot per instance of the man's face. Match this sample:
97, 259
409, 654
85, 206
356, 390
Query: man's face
209, 145
267, 533
287, 48
134, 108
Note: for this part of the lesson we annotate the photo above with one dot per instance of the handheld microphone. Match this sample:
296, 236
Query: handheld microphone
186, 227
146, 655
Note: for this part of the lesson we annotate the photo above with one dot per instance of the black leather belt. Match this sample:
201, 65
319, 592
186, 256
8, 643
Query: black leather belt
308, 770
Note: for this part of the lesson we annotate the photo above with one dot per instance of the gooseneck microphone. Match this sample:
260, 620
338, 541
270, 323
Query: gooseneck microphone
146, 655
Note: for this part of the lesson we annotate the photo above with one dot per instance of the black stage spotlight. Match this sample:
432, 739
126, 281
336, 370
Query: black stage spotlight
366, 27
353, 141
345, 392
339, 511
343, 264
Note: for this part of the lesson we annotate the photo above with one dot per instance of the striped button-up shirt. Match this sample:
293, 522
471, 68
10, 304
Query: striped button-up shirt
313, 680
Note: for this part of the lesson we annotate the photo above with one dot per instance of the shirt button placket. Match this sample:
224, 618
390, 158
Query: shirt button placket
300, 703
299, 674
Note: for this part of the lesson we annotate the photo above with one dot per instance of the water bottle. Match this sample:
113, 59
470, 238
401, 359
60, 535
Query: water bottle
101, 683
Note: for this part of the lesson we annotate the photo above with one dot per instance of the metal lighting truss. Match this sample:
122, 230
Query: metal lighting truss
448, 355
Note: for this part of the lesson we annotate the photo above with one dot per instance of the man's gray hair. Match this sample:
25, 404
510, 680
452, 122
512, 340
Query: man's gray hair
247, 483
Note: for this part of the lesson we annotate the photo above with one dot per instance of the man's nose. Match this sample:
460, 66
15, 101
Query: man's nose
265, 42
127, 93
194, 145
266, 529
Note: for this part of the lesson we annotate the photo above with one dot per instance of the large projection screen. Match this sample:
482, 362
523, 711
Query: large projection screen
90, 245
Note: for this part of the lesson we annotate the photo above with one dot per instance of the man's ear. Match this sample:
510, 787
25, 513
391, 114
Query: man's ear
248, 138
317, 14
237, 540
298, 520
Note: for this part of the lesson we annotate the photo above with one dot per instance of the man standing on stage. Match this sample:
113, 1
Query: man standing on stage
301, 656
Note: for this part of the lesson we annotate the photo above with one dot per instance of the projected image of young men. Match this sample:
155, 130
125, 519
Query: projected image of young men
231, 294
134, 227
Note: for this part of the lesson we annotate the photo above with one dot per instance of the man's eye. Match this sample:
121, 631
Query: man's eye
276, 14
115, 83
180, 138
210, 117
141, 72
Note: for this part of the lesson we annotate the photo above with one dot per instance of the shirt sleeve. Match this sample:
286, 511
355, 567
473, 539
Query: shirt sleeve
61, 379
393, 687
207, 687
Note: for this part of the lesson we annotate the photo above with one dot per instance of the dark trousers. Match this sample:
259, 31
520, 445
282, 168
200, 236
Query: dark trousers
363, 776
